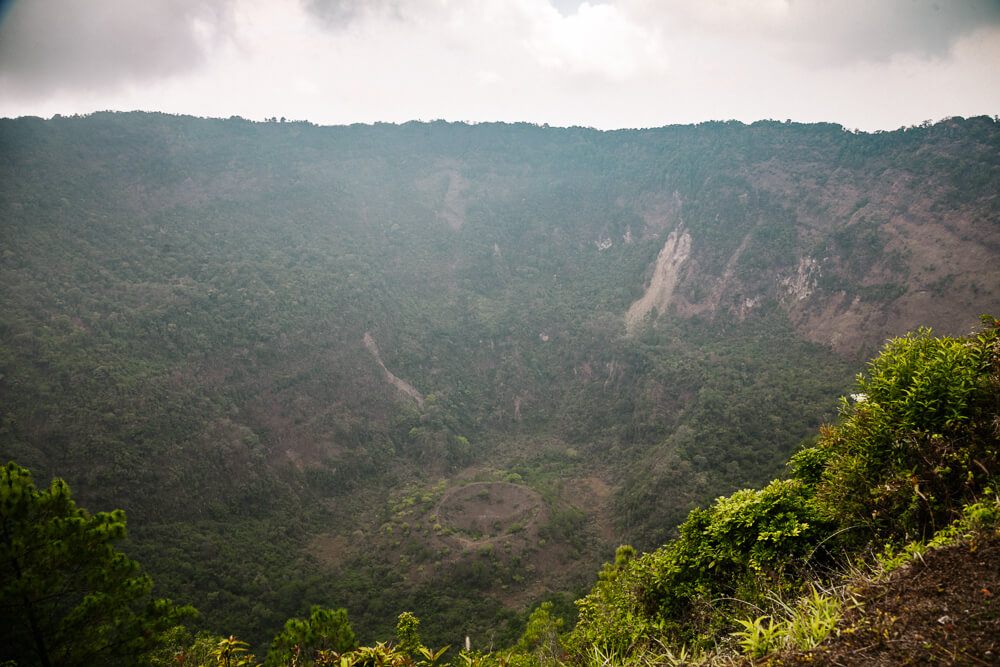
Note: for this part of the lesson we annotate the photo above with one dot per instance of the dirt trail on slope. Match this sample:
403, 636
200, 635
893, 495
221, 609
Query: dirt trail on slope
399, 383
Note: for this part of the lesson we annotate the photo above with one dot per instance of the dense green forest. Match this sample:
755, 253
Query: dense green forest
911, 466
387, 368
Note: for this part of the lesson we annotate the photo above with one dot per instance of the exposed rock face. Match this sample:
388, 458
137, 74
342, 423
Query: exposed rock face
854, 251
453, 209
675, 252
802, 283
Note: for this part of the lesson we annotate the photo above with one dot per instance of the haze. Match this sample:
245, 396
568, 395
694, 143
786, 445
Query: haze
628, 63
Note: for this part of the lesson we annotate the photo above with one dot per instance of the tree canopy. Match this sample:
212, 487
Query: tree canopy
914, 449
67, 597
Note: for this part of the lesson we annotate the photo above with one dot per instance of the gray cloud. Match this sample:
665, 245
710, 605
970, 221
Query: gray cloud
851, 30
818, 31
47, 46
341, 13
823, 32
566, 7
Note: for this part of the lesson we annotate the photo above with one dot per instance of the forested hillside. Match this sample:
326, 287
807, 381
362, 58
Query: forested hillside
448, 368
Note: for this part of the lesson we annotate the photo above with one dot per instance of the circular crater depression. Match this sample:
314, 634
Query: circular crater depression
489, 509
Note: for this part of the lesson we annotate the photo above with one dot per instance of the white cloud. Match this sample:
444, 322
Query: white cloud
596, 39
563, 62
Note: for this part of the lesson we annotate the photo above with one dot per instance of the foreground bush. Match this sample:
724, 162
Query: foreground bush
919, 442
921, 439
67, 597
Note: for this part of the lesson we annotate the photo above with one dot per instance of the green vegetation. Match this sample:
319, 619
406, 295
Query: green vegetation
67, 597
910, 456
925, 414
805, 627
920, 440
304, 641
184, 306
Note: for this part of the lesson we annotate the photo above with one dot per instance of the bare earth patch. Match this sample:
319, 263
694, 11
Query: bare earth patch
592, 495
940, 609
489, 510
399, 383
675, 252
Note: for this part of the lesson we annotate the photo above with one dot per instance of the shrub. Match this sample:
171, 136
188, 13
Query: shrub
324, 630
733, 552
921, 441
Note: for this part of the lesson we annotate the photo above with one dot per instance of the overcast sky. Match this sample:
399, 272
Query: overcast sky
867, 64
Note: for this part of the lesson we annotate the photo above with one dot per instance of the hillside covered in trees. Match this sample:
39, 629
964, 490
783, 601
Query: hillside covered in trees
894, 501
448, 368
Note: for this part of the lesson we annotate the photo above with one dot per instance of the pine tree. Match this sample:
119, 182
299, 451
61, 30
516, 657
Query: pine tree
301, 640
67, 597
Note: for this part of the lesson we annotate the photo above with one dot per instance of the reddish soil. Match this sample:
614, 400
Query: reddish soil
489, 510
592, 495
940, 609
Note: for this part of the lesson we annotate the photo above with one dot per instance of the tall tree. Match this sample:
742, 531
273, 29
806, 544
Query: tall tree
67, 597
301, 640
